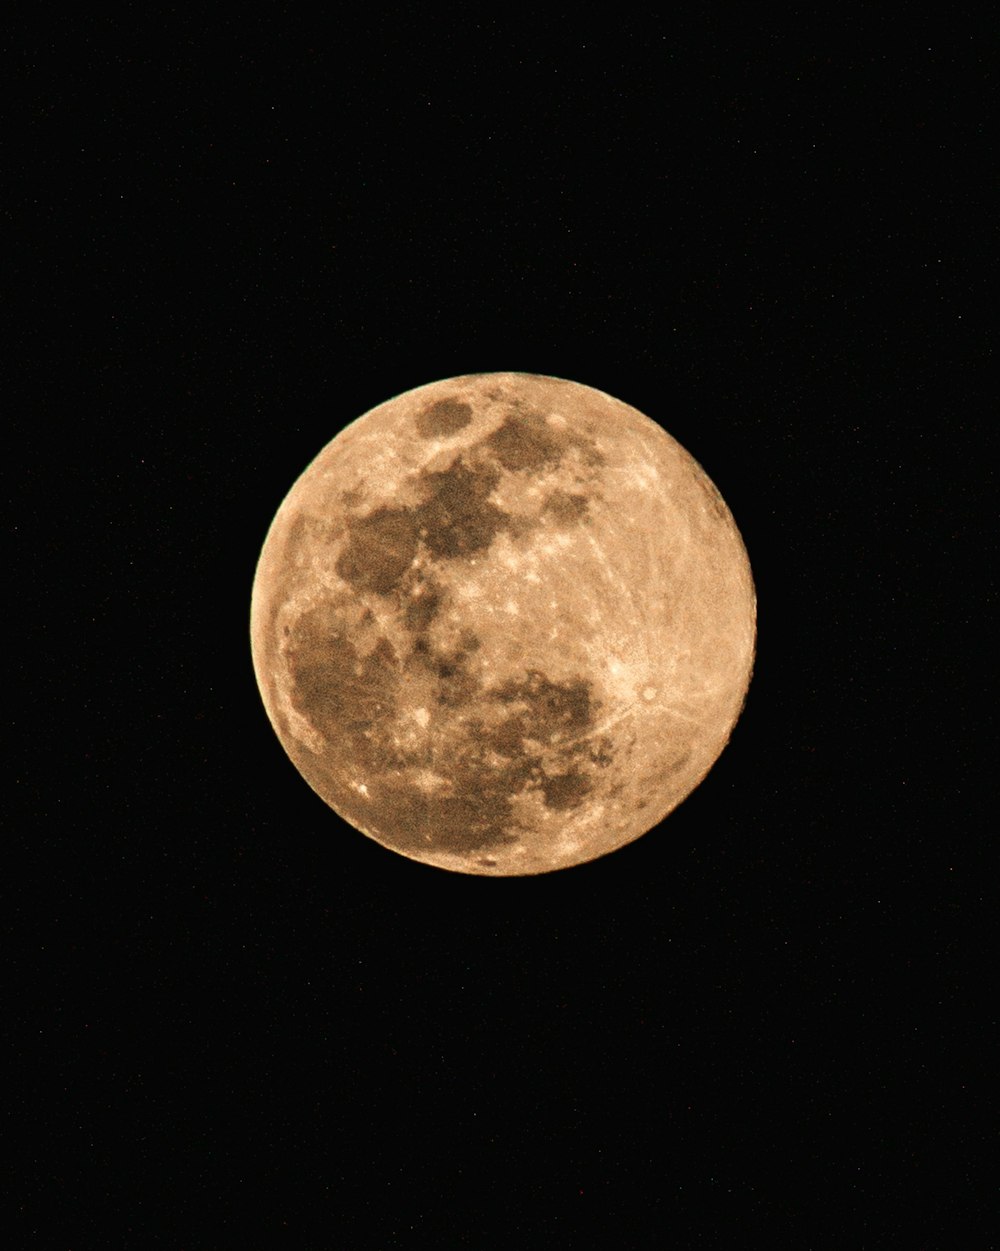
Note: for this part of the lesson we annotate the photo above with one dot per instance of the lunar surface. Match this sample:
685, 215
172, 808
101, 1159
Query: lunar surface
503, 624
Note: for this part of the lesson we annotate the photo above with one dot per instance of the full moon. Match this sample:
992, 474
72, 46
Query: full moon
503, 624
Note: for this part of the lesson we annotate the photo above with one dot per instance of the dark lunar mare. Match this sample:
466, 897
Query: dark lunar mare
443, 418
526, 734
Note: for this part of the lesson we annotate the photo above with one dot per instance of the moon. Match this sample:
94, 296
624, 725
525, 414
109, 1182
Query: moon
503, 624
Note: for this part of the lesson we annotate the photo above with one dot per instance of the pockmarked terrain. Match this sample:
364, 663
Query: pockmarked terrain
503, 624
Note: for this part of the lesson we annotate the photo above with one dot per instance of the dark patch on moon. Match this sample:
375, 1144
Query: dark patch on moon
675, 766
524, 441
531, 743
380, 548
474, 809
453, 682
453, 790
307, 527
423, 599
476, 816
456, 685
454, 520
507, 739
565, 507
346, 696
600, 753
548, 708
457, 518
444, 418
352, 700
546, 720
593, 457
298, 534
469, 641
567, 790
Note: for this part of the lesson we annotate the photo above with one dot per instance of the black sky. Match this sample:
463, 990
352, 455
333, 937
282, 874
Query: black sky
238, 1023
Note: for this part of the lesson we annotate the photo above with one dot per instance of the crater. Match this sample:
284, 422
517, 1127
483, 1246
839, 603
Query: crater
444, 418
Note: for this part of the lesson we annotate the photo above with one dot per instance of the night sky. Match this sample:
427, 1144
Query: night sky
238, 1023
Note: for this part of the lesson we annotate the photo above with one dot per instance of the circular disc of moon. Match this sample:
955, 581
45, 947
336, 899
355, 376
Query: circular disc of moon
503, 624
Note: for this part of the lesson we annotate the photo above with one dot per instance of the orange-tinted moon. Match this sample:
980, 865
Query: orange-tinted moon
503, 624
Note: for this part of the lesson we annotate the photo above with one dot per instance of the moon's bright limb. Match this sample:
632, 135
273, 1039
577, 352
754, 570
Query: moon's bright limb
503, 624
